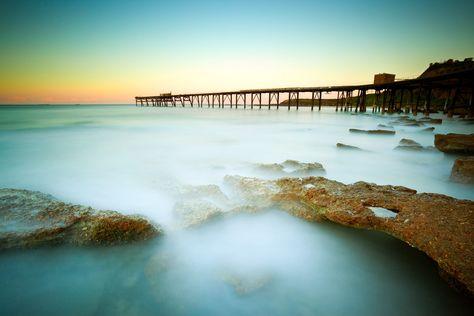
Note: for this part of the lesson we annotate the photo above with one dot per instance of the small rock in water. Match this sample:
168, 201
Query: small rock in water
409, 144
292, 168
463, 170
372, 131
428, 129
349, 147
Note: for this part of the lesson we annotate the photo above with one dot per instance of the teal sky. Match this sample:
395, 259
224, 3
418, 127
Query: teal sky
109, 51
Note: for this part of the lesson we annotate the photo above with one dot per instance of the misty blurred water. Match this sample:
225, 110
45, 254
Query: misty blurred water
130, 159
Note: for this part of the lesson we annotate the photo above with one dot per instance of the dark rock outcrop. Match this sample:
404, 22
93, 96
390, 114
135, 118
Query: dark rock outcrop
463, 170
439, 225
372, 131
455, 143
30, 219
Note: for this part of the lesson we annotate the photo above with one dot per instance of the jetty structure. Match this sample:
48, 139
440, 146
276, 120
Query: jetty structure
452, 91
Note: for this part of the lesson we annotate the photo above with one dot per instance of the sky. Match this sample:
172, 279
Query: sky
85, 51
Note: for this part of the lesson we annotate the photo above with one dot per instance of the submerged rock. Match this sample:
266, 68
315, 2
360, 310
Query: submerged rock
196, 212
210, 192
463, 170
439, 225
455, 143
198, 204
348, 147
30, 219
384, 126
246, 284
372, 131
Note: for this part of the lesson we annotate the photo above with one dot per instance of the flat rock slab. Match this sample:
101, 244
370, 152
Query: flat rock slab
30, 219
455, 143
439, 225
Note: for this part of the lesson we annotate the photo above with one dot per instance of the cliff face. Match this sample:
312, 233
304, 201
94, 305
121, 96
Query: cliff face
436, 69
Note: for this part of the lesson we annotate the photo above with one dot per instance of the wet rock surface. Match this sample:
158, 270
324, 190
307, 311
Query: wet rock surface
372, 131
439, 225
455, 143
463, 170
30, 219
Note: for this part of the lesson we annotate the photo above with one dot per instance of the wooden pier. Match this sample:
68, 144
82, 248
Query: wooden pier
415, 95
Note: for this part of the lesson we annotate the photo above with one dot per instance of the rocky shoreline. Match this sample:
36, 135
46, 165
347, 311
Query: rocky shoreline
439, 225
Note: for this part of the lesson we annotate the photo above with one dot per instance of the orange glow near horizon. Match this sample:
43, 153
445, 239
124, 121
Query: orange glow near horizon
108, 52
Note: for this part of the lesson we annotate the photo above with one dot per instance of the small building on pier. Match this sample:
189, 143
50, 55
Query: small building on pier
384, 78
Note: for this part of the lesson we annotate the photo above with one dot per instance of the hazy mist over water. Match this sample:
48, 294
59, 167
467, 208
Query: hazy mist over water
134, 159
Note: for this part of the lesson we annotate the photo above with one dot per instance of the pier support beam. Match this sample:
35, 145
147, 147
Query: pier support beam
428, 102
273, 96
320, 100
293, 96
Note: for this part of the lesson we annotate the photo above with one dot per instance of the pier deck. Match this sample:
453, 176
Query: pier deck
415, 95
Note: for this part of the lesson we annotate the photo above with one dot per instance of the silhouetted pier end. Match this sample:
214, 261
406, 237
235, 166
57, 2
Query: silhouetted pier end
448, 92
